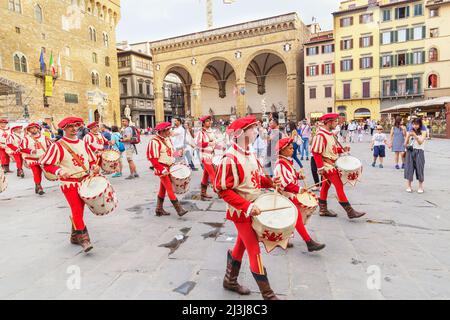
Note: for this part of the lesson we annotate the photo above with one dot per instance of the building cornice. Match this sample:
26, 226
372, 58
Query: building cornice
393, 4
436, 3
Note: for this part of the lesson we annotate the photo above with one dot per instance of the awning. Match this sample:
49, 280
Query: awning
436, 102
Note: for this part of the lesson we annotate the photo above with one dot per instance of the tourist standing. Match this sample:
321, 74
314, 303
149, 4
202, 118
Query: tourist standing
273, 137
305, 134
297, 142
117, 145
177, 136
130, 149
415, 155
378, 146
397, 142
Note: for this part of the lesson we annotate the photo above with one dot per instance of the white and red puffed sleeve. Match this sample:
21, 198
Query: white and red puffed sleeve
92, 158
288, 178
318, 147
153, 154
51, 159
25, 146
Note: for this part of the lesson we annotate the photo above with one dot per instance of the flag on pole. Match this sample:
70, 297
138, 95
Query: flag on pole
52, 65
42, 61
59, 65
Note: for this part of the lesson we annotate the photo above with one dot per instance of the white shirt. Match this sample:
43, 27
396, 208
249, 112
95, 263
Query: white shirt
178, 139
379, 139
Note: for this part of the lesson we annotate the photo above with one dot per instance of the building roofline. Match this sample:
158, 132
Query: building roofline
397, 3
125, 52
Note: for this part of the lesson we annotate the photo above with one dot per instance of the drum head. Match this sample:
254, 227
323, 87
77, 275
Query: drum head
93, 187
308, 199
180, 171
348, 163
279, 219
111, 155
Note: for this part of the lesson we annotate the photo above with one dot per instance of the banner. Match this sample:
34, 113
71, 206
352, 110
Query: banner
48, 86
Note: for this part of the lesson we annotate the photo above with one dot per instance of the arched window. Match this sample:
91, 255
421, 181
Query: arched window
69, 74
95, 78
94, 57
38, 13
92, 34
15, 5
107, 62
432, 81
433, 55
108, 81
16, 62
20, 62
23, 64
105, 39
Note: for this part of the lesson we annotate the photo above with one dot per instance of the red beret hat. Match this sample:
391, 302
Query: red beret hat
69, 120
240, 124
328, 117
203, 119
33, 124
92, 125
283, 143
4, 121
163, 126
16, 127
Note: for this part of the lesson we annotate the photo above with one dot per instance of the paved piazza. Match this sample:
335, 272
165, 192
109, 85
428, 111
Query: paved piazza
398, 251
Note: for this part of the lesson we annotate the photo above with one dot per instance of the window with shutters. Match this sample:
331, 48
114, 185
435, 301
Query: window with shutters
347, 44
387, 15
402, 12
418, 33
434, 32
346, 22
313, 71
402, 35
434, 12
417, 57
433, 55
386, 61
366, 18
328, 68
347, 91
312, 51
366, 89
366, 63
366, 41
418, 10
312, 93
347, 65
329, 48
328, 92
386, 37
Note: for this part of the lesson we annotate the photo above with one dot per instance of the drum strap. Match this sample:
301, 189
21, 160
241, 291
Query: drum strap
163, 142
73, 154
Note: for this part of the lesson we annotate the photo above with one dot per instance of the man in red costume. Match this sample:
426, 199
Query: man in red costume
206, 143
33, 146
239, 180
4, 133
72, 161
160, 152
13, 142
290, 187
326, 151
95, 139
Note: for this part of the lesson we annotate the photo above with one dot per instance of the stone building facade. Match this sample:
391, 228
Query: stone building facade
80, 34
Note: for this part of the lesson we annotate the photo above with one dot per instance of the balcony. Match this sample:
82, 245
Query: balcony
38, 73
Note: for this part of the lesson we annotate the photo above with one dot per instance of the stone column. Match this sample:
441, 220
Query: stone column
159, 105
447, 117
196, 101
187, 99
292, 93
241, 99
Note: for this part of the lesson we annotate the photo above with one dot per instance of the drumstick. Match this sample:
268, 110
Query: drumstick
275, 209
315, 185
74, 174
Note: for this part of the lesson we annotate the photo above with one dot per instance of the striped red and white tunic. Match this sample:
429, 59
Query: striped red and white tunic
202, 140
95, 141
325, 150
13, 142
160, 152
4, 133
39, 143
239, 180
290, 178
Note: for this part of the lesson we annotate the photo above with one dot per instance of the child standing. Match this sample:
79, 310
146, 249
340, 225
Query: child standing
378, 146
360, 132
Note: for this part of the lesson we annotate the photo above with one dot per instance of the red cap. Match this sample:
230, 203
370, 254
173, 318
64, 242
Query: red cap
33, 125
4, 121
16, 127
235, 128
163, 126
92, 125
283, 143
203, 119
329, 117
69, 120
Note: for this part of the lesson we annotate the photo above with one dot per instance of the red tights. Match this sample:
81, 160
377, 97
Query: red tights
19, 160
4, 157
76, 206
37, 173
333, 178
300, 227
166, 186
247, 240
208, 172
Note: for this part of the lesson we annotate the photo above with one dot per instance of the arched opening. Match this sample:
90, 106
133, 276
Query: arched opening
342, 110
96, 116
433, 55
362, 114
177, 93
266, 83
219, 90
432, 81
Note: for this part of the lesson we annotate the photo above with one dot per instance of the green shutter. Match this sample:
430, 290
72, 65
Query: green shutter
407, 11
408, 59
407, 34
423, 56
394, 60
396, 13
424, 32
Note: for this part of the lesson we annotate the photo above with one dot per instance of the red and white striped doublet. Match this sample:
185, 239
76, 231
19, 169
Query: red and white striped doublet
290, 182
95, 141
324, 144
13, 142
4, 133
57, 157
202, 140
162, 150
39, 143
240, 178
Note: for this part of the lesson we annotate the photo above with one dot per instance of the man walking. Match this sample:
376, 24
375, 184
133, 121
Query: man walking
177, 136
130, 149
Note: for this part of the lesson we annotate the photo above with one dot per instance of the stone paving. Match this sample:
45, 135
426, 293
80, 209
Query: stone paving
400, 250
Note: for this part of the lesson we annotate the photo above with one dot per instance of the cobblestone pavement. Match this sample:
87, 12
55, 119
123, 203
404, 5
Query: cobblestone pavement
400, 250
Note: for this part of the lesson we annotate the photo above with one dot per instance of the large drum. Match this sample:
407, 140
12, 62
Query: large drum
350, 169
99, 195
274, 227
180, 175
110, 161
3, 181
50, 176
308, 205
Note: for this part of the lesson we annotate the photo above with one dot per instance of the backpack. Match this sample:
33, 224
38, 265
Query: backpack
136, 137
119, 144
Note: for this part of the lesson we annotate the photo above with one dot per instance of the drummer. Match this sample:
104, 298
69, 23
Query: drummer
94, 139
33, 146
13, 142
326, 151
239, 181
72, 160
290, 187
205, 141
160, 152
4, 133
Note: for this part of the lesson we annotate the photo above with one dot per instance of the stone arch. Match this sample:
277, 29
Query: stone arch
252, 56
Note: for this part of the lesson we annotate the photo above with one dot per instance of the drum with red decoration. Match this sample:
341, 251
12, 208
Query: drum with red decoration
99, 195
350, 169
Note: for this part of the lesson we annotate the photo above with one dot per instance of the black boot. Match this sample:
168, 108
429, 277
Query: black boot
39, 190
314, 246
324, 212
264, 286
230, 280
351, 213
6, 168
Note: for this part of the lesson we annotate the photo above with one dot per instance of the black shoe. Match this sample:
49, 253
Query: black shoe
314, 246
131, 177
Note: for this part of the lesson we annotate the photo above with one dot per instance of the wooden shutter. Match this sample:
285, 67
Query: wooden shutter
341, 22
424, 32
351, 64
351, 43
423, 56
332, 47
407, 11
317, 70
307, 71
371, 40
342, 45
332, 68
342, 65
361, 63
351, 21
360, 19
323, 69
361, 42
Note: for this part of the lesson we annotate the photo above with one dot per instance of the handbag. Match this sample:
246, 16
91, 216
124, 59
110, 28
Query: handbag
410, 146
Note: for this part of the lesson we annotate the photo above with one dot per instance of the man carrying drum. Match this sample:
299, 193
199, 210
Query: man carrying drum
94, 139
13, 142
326, 151
4, 133
72, 160
238, 182
205, 141
33, 146
290, 187
160, 152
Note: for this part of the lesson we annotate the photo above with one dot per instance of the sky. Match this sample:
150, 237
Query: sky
150, 20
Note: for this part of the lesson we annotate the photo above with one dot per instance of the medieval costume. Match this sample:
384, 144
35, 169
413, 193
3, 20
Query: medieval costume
4, 157
13, 143
96, 142
206, 143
